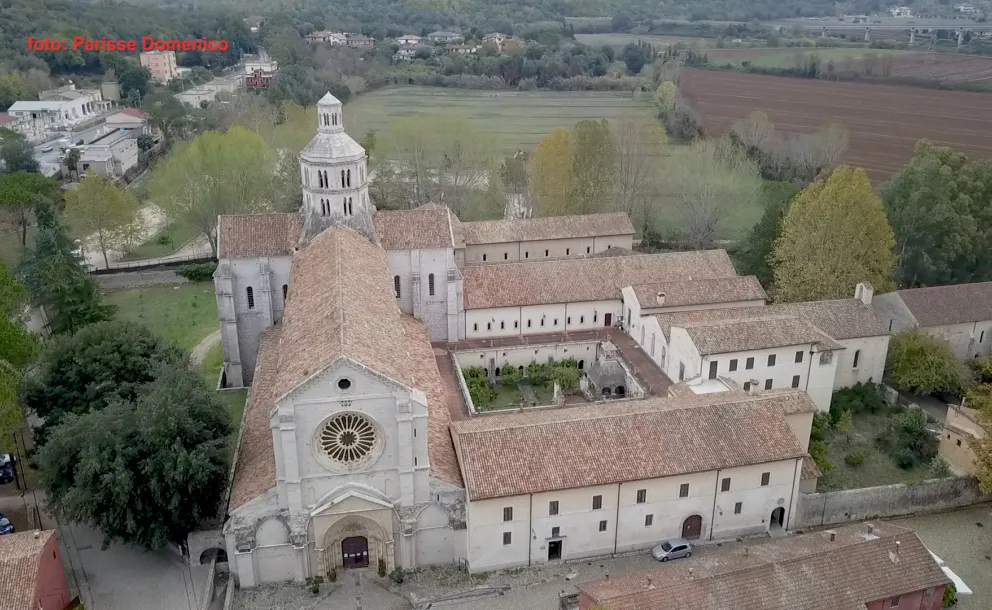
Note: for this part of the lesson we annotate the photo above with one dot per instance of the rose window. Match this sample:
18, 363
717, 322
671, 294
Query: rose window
347, 438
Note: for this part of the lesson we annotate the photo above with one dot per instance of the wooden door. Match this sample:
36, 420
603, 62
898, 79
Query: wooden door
692, 527
608, 320
355, 551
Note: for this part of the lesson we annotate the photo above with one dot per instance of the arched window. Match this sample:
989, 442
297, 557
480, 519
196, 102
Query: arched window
342, 178
350, 211
396, 285
430, 284
251, 297
285, 292
857, 358
344, 204
320, 179
334, 117
349, 177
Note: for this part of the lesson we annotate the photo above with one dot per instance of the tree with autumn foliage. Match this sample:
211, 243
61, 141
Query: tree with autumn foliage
593, 168
834, 236
101, 212
551, 173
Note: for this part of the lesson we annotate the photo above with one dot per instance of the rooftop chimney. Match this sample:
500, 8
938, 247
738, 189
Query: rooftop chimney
661, 299
897, 547
864, 292
871, 528
833, 536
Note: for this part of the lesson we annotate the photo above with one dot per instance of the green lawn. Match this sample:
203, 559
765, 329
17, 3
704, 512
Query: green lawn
234, 401
658, 40
518, 119
165, 242
185, 314
878, 469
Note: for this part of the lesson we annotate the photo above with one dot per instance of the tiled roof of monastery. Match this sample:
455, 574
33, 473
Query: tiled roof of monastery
644, 439
584, 279
339, 309
864, 563
550, 227
956, 304
251, 235
19, 561
427, 227
839, 319
810, 469
700, 292
725, 336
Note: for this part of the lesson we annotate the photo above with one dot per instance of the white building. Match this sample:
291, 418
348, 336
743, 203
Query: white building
960, 314
60, 109
408, 39
496, 241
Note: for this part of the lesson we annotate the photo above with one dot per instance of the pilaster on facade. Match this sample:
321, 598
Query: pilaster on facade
418, 311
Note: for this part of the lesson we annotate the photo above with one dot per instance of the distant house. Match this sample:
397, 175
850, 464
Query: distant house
965, 8
361, 42
901, 11
406, 52
326, 37
408, 39
132, 119
31, 572
444, 37
20, 124
496, 39
460, 48
259, 79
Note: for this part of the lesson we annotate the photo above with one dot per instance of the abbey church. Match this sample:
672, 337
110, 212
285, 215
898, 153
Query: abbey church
362, 444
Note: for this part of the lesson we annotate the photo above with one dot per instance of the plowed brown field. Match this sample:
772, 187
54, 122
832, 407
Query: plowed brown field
884, 121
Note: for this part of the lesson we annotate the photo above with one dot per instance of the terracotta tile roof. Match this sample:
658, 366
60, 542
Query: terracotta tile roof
551, 227
648, 439
6, 118
838, 319
586, 279
251, 235
427, 227
255, 464
611, 252
133, 112
860, 566
19, 560
810, 469
700, 292
956, 304
725, 336
339, 309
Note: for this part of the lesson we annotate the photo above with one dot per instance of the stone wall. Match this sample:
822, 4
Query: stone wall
834, 507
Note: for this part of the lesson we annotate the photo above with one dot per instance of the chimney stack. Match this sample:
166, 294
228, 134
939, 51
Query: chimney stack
661, 299
897, 547
864, 292
833, 536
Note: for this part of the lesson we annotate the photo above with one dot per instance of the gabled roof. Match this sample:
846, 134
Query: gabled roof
550, 227
251, 235
584, 279
337, 308
644, 439
699, 292
864, 563
955, 304
427, 227
6, 118
131, 112
727, 336
20, 555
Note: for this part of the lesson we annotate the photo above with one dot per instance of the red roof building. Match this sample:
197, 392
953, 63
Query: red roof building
31, 572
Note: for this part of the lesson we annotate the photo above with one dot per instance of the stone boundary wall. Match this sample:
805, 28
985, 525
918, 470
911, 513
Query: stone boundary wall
935, 495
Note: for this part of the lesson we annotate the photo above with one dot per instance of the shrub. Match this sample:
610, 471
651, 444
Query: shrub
860, 398
509, 374
163, 238
566, 376
315, 590
905, 459
822, 424
481, 392
332, 575
920, 363
818, 451
854, 459
982, 367
474, 372
200, 272
939, 468
538, 374
950, 596
397, 576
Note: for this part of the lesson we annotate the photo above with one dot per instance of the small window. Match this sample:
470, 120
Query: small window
542, 321
959, 442
602, 526
430, 284
648, 520
502, 325
766, 477
555, 323
597, 502
595, 316
642, 496
475, 326
508, 513
981, 337
555, 532
285, 291
684, 490
749, 364
768, 384
516, 323
344, 384
526, 254
795, 381
733, 364
568, 320
251, 297
799, 356
489, 325
396, 285
507, 537
588, 249
506, 256
528, 323
568, 251
681, 371
857, 359
725, 484
894, 602
553, 507
483, 258
737, 508
582, 319
771, 360
747, 386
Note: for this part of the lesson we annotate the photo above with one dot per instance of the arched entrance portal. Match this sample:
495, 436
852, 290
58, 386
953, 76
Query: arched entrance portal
778, 518
692, 527
355, 552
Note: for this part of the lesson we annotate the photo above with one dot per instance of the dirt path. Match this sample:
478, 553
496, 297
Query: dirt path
200, 351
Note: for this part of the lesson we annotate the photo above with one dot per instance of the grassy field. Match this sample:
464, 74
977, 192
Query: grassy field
184, 314
235, 401
518, 119
164, 242
658, 40
785, 57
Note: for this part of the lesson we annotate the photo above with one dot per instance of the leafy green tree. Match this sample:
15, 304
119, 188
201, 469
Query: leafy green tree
11, 414
215, 174
17, 153
56, 279
100, 364
845, 425
752, 257
17, 345
593, 167
99, 210
923, 364
940, 207
18, 193
633, 58
551, 173
665, 96
145, 471
145, 142
834, 235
